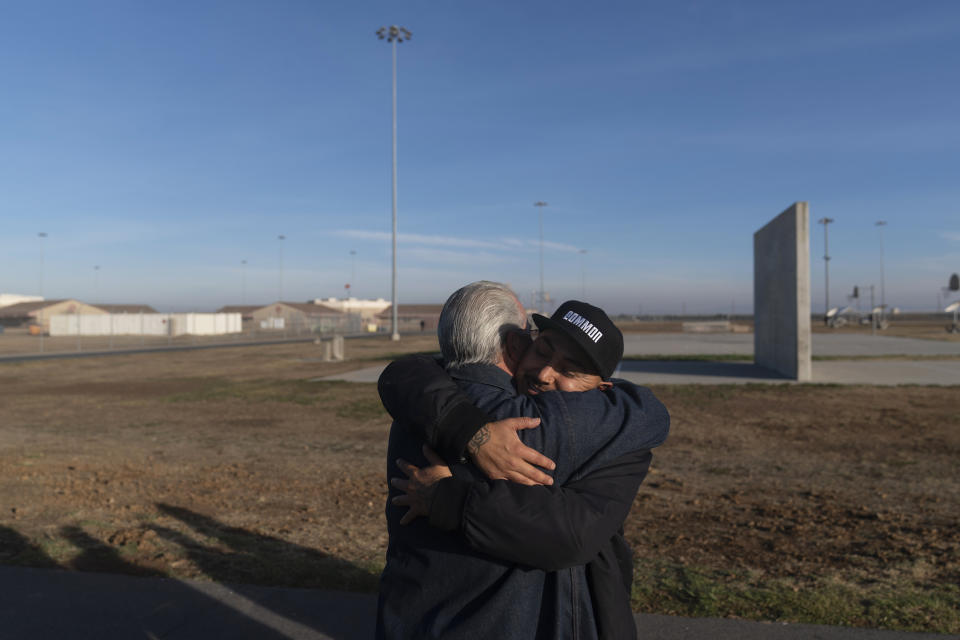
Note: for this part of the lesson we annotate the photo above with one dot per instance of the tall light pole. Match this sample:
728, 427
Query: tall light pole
393, 35
41, 235
96, 283
353, 270
281, 238
880, 224
583, 277
539, 204
243, 282
826, 268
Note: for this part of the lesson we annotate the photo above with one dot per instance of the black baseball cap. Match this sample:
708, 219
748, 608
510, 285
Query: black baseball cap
590, 328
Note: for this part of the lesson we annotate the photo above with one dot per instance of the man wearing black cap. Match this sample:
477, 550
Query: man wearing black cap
578, 523
578, 349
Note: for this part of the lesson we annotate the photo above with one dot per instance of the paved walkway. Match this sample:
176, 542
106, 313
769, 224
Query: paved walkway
823, 344
871, 371
54, 604
647, 372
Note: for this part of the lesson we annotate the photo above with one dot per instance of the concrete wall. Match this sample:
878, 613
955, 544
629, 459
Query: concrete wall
781, 293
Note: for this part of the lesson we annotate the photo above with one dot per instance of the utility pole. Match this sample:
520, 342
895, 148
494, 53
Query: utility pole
880, 224
243, 282
583, 277
393, 35
826, 268
541, 304
41, 235
281, 238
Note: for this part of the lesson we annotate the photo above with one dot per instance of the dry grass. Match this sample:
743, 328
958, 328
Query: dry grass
815, 503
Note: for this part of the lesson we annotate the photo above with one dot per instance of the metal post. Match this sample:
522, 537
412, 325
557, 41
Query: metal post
281, 238
826, 268
394, 324
393, 35
243, 282
353, 273
583, 277
41, 235
873, 316
541, 304
880, 224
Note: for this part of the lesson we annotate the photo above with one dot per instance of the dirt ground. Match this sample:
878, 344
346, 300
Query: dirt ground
232, 465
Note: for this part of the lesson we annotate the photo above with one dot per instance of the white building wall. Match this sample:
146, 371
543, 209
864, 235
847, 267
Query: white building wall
146, 324
7, 299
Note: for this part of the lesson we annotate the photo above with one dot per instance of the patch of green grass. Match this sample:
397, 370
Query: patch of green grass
673, 589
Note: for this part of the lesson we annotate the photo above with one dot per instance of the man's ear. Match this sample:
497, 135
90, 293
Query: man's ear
604, 385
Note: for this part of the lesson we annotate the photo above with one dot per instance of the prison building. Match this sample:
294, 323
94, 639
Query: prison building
38, 313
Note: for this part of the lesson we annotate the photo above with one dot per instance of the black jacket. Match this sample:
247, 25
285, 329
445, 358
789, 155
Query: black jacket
563, 544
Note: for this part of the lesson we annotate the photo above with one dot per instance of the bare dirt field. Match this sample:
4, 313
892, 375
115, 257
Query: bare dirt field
809, 503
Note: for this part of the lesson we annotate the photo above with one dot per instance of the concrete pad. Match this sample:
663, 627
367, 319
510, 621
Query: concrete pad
647, 372
51, 603
869, 372
824, 344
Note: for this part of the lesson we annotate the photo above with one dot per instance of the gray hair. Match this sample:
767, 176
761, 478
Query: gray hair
475, 321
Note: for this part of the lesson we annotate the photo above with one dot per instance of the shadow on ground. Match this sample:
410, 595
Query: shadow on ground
101, 594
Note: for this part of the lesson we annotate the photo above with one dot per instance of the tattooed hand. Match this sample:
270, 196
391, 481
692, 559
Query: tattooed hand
498, 451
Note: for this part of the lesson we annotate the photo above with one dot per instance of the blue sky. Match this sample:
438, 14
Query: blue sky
167, 142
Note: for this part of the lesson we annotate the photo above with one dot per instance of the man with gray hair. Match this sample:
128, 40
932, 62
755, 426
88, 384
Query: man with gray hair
497, 558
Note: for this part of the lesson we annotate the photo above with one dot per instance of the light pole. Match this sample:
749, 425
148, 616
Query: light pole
353, 270
880, 224
583, 277
41, 235
393, 35
243, 282
96, 283
826, 269
539, 204
281, 238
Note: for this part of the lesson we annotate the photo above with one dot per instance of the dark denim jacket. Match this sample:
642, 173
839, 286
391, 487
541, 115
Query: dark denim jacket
436, 584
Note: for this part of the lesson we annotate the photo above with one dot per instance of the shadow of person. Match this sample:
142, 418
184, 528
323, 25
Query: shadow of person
244, 556
16, 549
244, 559
95, 556
44, 603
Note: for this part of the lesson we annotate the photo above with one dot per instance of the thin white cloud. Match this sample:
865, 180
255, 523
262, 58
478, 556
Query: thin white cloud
559, 246
501, 244
952, 236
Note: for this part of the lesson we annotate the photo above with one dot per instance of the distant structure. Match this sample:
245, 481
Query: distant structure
366, 309
781, 294
38, 313
305, 316
412, 317
8, 299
